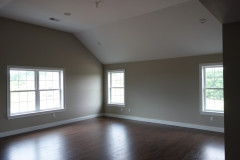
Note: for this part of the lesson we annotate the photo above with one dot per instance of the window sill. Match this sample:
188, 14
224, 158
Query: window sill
212, 113
35, 113
116, 105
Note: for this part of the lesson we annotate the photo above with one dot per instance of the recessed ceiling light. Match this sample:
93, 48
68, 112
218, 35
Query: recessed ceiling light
54, 19
203, 20
67, 14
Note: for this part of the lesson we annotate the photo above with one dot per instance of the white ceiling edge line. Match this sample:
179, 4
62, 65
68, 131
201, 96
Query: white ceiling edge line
91, 40
123, 19
158, 59
4, 3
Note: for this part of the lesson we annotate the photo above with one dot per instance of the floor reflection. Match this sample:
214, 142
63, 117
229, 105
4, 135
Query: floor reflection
111, 139
42, 148
118, 141
213, 152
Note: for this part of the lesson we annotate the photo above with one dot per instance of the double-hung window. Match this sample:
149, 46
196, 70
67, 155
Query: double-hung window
212, 98
116, 87
34, 90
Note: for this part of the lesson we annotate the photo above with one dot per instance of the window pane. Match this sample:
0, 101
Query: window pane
22, 85
56, 76
22, 80
48, 80
218, 72
13, 75
117, 79
30, 75
214, 100
49, 84
30, 85
22, 90
15, 97
14, 108
49, 76
218, 83
213, 88
214, 77
117, 95
23, 106
49, 99
42, 84
55, 84
13, 85
22, 75
31, 106
42, 76
116, 87
22, 102
23, 96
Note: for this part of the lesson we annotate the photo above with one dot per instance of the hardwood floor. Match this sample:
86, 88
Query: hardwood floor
114, 139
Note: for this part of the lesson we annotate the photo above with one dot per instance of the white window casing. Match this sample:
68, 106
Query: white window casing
116, 87
34, 90
211, 89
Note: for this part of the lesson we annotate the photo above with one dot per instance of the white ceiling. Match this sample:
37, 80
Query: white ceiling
127, 30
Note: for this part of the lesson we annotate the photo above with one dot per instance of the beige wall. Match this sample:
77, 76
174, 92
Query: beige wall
231, 50
161, 89
165, 90
29, 45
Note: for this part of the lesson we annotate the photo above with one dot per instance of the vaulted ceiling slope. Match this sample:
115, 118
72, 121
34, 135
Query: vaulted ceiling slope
125, 31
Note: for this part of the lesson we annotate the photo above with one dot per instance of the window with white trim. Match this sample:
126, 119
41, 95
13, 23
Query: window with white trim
116, 87
34, 90
212, 97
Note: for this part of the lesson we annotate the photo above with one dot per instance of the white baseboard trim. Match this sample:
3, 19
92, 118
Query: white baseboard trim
48, 125
179, 124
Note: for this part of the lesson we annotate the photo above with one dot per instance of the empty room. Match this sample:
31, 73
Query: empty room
119, 79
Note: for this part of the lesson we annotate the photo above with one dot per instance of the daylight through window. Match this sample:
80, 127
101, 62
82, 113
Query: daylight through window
33, 90
116, 87
212, 88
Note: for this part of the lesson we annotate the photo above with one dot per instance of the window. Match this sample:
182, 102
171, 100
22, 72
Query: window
116, 87
212, 100
34, 90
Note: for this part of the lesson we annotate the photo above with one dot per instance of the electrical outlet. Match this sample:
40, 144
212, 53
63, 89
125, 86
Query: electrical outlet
53, 115
129, 110
211, 118
121, 109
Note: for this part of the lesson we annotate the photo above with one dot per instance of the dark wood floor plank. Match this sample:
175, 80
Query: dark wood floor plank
114, 139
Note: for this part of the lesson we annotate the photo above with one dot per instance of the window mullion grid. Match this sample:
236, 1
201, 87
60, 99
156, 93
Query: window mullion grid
215, 88
204, 89
37, 90
110, 87
24, 91
118, 88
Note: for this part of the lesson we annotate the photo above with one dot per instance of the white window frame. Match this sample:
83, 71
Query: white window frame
202, 93
37, 111
109, 92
